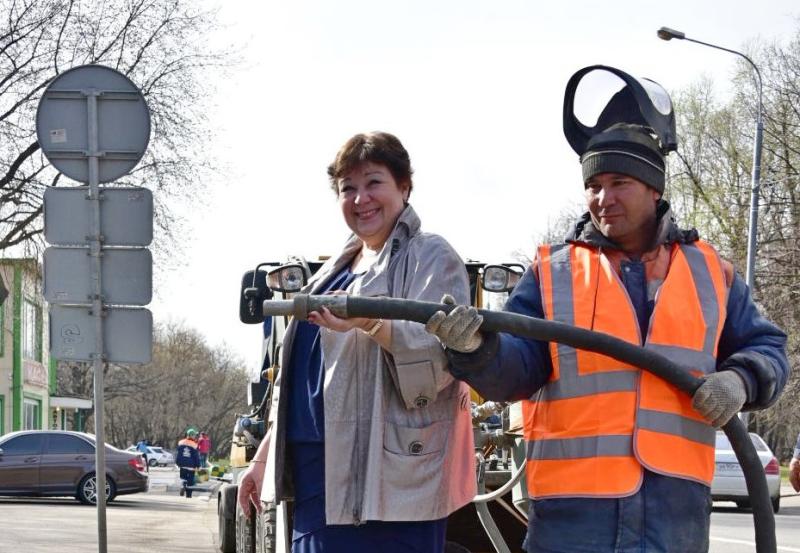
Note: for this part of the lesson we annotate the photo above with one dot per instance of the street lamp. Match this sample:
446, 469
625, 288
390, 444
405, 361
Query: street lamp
665, 33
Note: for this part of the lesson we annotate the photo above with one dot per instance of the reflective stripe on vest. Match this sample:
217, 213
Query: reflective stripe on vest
598, 420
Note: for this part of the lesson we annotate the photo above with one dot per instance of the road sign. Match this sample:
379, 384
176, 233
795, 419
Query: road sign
127, 334
63, 128
93, 125
126, 217
127, 276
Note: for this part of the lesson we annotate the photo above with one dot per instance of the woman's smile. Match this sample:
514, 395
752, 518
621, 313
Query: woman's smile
365, 215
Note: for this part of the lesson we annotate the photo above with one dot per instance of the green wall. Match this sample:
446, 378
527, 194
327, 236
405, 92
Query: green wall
16, 348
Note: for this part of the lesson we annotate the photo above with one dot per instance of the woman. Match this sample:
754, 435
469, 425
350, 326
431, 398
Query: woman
369, 433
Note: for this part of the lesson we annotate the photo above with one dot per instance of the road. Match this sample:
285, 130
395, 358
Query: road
732, 530
154, 522
162, 521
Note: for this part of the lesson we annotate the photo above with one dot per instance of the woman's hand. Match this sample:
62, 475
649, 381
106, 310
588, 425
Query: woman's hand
249, 492
252, 480
380, 331
326, 319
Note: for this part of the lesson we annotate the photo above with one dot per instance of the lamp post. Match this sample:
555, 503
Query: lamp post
665, 33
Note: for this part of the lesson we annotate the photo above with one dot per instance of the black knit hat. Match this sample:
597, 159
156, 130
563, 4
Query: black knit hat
628, 150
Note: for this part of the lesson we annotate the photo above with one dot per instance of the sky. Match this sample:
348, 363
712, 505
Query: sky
474, 90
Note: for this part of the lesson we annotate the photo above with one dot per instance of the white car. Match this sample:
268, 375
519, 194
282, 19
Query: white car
729, 484
156, 456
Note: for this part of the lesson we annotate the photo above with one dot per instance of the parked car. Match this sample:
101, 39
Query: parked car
60, 463
156, 455
729, 484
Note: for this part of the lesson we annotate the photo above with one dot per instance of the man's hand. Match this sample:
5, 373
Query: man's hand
249, 493
720, 397
794, 474
457, 330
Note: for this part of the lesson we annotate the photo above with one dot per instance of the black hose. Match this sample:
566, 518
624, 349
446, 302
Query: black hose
550, 331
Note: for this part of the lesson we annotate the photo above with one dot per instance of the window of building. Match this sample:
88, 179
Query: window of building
32, 331
32, 411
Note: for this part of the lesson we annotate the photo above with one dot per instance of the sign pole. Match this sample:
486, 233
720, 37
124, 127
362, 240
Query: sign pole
92, 318
95, 244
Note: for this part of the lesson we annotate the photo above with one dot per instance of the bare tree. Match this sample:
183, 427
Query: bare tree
187, 384
559, 225
710, 189
161, 45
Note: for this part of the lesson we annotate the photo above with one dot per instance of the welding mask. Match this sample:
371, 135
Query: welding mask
617, 123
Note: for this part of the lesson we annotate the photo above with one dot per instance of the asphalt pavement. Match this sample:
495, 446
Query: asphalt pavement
732, 529
154, 522
162, 521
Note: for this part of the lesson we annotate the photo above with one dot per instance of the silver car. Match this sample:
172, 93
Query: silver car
729, 484
156, 455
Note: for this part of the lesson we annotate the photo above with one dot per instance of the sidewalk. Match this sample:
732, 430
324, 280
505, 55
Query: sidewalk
167, 480
788, 491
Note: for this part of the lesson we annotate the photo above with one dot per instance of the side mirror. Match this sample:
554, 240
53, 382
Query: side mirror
1, 451
501, 278
253, 292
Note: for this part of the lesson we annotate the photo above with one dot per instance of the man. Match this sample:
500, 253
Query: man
619, 460
794, 467
188, 459
142, 447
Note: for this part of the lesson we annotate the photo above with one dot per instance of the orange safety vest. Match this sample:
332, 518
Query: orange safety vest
598, 421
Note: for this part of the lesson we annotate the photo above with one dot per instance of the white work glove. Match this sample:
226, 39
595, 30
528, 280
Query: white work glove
794, 473
720, 397
457, 330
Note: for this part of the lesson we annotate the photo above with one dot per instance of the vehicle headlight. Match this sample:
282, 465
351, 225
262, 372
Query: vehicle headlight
287, 279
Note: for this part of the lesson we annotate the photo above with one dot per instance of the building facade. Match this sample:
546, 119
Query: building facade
28, 380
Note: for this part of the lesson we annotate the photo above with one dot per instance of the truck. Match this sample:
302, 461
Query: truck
495, 521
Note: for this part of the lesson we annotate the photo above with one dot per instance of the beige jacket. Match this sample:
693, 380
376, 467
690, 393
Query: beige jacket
398, 432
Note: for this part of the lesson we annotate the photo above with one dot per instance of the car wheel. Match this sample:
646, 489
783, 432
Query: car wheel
152, 463
245, 532
87, 489
743, 503
776, 504
227, 526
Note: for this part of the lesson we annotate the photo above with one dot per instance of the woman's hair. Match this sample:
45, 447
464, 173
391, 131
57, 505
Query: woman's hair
376, 147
